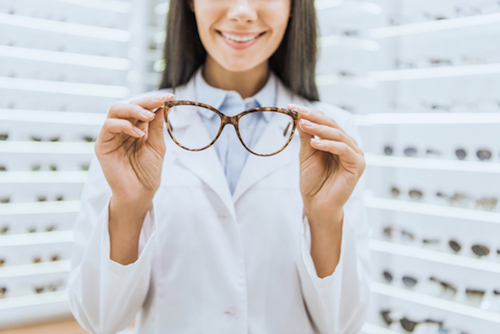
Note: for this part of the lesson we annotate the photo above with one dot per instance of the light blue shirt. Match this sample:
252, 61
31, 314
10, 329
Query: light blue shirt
231, 152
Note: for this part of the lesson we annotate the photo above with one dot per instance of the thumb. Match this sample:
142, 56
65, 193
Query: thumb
155, 132
306, 150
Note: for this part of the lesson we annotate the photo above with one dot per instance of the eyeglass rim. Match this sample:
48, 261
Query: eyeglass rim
230, 120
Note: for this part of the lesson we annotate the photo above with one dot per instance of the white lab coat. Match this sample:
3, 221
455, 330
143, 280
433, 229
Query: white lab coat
213, 263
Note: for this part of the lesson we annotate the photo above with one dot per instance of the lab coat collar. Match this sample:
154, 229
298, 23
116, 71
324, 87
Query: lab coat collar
215, 97
206, 164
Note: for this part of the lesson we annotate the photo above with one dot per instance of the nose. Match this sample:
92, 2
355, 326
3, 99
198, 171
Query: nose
242, 11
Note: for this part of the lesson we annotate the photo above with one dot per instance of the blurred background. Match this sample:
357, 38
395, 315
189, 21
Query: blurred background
420, 76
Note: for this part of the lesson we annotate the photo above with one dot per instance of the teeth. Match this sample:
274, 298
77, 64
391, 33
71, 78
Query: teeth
239, 38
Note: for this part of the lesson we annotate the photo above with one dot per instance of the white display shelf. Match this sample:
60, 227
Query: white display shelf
36, 208
349, 42
434, 72
432, 164
41, 238
52, 117
373, 329
434, 256
75, 29
46, 147
46, 298
348, 7
66, 58
71, 177
61, 87
109, 5
333, 79
434, 302
343, 7
430, 209
434, 26
55, 267
426, 118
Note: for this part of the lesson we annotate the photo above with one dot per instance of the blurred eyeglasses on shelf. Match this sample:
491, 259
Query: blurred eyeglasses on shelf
408, 281
407, 324
457, 11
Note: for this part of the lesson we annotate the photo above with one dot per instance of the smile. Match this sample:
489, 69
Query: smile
240, 39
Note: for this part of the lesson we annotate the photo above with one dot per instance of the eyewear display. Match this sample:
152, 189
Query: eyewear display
461, 10
479, 250
39, 138
47, 229
47, 288
413, 193
4, 136
388, 232
43, 198
447, 287
461, 154
408, 281
179, 114
53, 258
407, 324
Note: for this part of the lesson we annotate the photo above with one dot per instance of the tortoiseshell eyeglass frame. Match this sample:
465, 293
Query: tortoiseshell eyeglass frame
234, 120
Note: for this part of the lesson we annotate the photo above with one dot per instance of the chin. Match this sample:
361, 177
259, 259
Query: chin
240, 65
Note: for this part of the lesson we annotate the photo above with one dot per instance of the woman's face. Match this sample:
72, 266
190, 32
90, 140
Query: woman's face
241, 34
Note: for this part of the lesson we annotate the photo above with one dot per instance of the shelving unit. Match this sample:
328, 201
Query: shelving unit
392, 119
432, 164
430, 209
435, 26
434, 256
434, 302
65, 63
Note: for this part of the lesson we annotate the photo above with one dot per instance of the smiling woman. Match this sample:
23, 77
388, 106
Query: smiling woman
193, 230
216, 32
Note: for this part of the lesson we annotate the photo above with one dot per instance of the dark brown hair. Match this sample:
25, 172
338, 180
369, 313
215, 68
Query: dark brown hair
294, 61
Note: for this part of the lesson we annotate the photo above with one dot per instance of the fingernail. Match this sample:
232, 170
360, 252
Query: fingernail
163, 97
306, 123
139, 132
315, 141
305, 111
148, 114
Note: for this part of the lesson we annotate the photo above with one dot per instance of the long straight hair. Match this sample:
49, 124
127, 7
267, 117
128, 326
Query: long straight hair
294, 61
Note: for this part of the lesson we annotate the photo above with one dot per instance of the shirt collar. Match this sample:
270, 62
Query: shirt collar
266, 97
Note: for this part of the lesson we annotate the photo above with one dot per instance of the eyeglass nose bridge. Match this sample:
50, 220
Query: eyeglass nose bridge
233, 120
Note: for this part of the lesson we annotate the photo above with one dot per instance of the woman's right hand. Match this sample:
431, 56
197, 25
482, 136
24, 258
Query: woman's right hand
131, 147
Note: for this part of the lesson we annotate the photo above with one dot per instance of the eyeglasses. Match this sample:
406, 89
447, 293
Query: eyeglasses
404, 233
180, 114
447, 287
479, 250
408, 281
407, 324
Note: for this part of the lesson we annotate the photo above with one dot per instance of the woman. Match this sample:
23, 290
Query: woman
221, 240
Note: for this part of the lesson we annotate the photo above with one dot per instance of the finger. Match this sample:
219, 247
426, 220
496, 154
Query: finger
130, 111
328, 132
317, 116
305, 138
153, 102
115, 126
346, 154
155, 130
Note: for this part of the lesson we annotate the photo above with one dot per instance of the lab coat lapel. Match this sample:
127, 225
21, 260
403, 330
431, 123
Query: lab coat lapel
256, 167
204, 164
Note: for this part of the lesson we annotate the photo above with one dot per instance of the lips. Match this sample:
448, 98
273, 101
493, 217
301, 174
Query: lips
240, 37
240, 40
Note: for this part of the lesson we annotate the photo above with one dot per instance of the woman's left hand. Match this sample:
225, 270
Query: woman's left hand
329, 167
